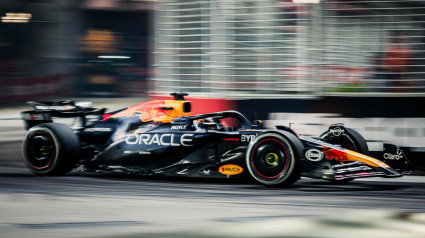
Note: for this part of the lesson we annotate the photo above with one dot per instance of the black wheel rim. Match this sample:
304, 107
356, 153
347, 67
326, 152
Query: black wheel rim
270, 158
40, 150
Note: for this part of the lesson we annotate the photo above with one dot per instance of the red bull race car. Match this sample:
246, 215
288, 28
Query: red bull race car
160, 137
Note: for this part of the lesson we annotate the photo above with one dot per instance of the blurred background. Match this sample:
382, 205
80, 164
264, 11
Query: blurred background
281, 48
51, 48
299, 63
232, 48
308, 62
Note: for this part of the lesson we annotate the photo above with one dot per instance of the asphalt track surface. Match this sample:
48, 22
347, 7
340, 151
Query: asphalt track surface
85, 204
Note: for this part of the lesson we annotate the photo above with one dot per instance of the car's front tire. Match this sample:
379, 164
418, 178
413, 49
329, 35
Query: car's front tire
50, 149
271, 159
353, 141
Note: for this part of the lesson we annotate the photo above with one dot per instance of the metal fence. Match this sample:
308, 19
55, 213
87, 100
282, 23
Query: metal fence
289, 48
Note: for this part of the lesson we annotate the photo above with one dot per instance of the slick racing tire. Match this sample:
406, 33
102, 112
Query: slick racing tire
359, 141
50, 149
351, 140
272, 159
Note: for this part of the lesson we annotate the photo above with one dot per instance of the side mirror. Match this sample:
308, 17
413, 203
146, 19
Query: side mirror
258, 124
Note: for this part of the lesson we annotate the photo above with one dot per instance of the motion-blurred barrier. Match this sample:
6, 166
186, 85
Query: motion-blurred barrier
25, 89
268, 48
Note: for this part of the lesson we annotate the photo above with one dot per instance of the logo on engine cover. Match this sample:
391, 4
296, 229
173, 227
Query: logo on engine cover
314, 155
230, 169
178, 127
337, 131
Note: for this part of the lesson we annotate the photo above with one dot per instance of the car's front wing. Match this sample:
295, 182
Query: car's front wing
332, 162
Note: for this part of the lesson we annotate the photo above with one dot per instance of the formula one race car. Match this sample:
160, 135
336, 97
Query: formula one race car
160, 138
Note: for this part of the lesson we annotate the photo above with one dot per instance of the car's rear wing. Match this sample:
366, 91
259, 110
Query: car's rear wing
44, 111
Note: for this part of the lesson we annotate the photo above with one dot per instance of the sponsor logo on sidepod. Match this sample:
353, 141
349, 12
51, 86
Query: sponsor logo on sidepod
314, 155
230, 169
98, 129
160, 139
247, 138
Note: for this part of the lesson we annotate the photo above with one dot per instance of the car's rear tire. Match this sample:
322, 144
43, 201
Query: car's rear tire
50, 149
272, 159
